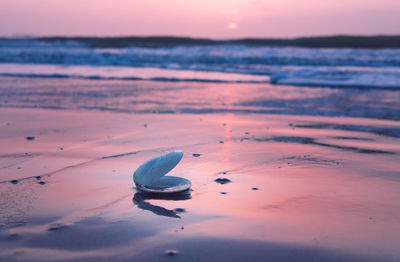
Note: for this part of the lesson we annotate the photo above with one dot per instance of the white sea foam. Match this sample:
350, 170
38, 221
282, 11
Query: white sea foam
340, 77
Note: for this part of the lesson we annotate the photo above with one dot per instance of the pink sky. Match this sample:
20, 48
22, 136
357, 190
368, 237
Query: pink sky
199, 18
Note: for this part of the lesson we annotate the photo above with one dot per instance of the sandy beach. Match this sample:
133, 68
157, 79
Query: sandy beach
303, 187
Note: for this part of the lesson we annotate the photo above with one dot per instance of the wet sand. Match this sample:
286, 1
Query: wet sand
302, 188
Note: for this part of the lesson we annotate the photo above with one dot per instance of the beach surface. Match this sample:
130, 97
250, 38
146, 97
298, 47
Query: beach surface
307, 180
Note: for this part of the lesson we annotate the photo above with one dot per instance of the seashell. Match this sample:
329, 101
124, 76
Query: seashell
150, 176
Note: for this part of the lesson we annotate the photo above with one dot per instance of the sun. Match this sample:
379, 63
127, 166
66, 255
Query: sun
232, 26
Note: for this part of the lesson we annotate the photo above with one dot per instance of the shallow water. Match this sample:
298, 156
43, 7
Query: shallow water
200, 98
314, 202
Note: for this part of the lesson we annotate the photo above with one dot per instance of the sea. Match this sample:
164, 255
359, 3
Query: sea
367, 78
331, 67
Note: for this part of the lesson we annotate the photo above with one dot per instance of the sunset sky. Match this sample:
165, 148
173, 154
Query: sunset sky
199, 18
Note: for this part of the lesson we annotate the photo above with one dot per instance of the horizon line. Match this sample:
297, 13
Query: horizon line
332, 41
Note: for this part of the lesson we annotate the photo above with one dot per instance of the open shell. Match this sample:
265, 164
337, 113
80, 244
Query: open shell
150, 176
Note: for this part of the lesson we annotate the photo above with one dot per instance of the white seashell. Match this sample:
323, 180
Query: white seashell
150, 176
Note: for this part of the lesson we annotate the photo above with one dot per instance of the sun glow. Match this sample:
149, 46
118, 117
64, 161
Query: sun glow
232, 26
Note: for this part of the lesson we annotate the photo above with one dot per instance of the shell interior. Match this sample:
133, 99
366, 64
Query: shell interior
150, 176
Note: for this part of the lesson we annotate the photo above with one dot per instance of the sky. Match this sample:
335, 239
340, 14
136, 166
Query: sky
218, 19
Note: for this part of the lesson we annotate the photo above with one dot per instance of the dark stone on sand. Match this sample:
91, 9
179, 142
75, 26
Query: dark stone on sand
221, 142
223, 193
254, 188
223, 173
56, 227
19, 167
41, 183
14, 181
145, 125
13, 237
171, 252
179, 210
30, 138
196, 155
247, 133
38, 177
61, 148
222, 180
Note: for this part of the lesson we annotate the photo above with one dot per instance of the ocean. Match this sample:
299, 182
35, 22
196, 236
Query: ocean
299, 66
320, 78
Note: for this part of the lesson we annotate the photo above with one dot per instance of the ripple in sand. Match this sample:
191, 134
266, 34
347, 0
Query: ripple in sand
13, 237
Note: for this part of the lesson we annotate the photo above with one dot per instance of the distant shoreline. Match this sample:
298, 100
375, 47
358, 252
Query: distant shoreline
338, 41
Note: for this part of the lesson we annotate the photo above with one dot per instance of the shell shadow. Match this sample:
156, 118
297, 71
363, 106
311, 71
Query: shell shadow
139, 199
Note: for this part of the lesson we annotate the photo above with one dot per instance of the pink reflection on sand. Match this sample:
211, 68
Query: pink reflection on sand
307, 193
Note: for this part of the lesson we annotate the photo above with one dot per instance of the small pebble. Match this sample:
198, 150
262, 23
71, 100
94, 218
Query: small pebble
41, 183
223, 173
247, 133
196, 155
254, 188
30, 138
38, 177
14, 181
224, 124
61, 148
171, 252
56, 227
222, 180
19, 167
221, 142
223, 193
145, 125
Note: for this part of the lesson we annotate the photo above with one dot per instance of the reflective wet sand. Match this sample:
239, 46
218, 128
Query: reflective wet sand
303, 188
